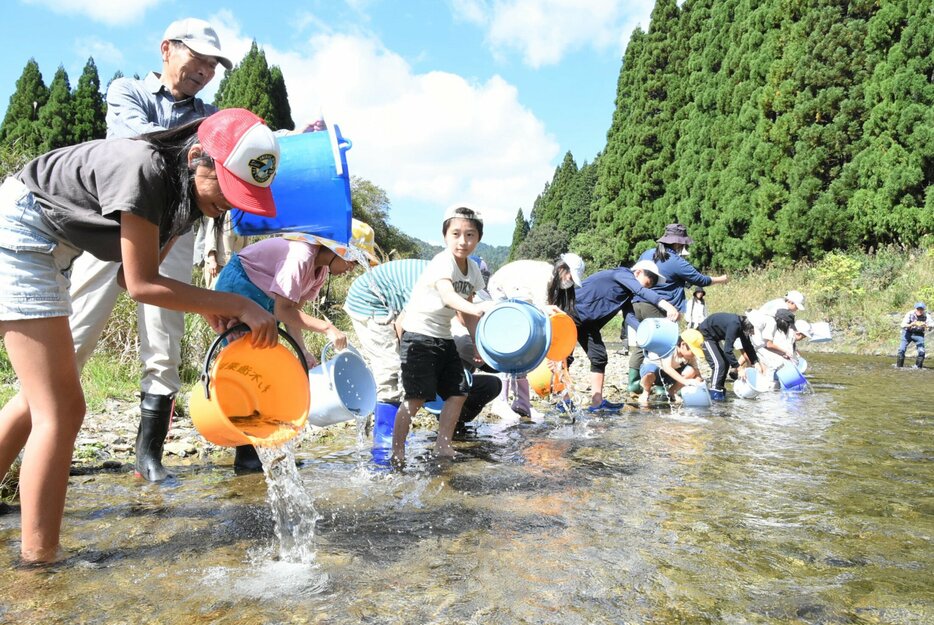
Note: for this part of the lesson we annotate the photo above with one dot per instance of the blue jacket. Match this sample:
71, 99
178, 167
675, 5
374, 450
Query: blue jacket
606, 292
678, 274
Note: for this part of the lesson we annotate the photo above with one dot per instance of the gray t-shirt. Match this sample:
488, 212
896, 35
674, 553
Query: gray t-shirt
84, 188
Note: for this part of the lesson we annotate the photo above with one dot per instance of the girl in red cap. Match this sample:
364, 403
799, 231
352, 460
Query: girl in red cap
121, 200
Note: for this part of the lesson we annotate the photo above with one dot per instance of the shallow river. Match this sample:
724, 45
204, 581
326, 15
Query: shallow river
791, 508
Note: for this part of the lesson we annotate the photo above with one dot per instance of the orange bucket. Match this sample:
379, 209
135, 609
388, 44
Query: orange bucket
251, 396
563, 337
543, 381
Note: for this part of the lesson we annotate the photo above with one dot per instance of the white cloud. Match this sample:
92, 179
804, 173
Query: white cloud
111, 12
431, 137
544, 31
104, 52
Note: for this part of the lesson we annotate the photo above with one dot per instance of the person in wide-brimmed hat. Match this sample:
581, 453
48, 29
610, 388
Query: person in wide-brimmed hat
670, 255
281, 274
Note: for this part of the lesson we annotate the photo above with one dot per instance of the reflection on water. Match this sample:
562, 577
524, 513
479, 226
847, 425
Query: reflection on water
790, 508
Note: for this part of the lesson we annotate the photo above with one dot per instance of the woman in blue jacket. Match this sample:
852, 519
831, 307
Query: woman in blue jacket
669, 255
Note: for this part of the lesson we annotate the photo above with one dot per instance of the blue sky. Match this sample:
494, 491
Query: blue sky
444, 100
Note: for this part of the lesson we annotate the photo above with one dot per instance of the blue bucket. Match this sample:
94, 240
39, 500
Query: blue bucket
311, 189
790, 378
513, 337
657, 335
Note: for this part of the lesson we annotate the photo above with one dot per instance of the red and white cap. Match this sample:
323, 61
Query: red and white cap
246, 157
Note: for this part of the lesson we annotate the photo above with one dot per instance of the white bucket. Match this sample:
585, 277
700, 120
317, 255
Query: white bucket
342, 388
820, 332
744, 389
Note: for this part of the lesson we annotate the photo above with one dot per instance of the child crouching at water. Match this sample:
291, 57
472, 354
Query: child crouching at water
430, 362
282, 274
678, 369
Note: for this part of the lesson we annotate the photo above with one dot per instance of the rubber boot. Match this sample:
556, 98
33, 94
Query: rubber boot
919, 361
155, 415
900, 360
246, 460
635, 382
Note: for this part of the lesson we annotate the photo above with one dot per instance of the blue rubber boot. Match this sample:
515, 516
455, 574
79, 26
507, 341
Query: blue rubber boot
383, 421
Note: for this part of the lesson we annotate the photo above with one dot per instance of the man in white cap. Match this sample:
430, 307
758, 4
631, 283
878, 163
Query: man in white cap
191, 52
600, 298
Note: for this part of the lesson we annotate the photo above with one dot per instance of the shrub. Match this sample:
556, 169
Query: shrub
836, 275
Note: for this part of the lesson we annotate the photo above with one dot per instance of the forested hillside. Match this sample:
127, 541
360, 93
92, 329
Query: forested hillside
776, 130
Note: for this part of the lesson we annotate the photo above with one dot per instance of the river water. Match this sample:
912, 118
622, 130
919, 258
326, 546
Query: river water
792, 508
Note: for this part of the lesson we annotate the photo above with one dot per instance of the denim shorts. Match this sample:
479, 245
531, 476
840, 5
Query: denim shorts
233, 279
35, 266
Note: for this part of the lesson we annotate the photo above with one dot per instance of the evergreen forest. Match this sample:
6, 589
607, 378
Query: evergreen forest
775, 131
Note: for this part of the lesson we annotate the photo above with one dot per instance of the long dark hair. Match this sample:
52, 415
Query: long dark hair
746, 325
661, 253
562, 298
173, 146
784, 320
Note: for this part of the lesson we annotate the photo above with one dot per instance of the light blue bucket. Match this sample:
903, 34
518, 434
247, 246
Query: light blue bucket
513, 337
695, 396
790, 378
657, 335
311, 189
761, 383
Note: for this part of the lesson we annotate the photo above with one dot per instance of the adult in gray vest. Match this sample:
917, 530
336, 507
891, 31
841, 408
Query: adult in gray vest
190, 52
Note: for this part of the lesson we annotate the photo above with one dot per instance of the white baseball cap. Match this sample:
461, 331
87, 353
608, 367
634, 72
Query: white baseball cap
803, 327
797, 298
575, 266
199, 36
649, 266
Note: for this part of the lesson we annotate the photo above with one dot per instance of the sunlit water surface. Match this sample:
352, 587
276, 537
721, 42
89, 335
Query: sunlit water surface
791, 508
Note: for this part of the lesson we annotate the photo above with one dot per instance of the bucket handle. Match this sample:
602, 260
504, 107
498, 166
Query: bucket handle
329, 346
241, 327
343, 143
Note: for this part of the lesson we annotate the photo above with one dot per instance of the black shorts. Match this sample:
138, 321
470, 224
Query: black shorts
430, 367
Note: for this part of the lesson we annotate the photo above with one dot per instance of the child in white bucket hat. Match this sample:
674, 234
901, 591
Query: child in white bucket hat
281, 274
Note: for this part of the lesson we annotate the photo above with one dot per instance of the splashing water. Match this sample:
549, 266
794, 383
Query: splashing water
293, 509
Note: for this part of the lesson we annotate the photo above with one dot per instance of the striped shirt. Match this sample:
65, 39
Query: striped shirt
383, 291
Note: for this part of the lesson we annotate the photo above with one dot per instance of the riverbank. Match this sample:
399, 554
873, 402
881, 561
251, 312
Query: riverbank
863, 297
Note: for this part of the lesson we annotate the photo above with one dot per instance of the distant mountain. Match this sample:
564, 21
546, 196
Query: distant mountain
495, 256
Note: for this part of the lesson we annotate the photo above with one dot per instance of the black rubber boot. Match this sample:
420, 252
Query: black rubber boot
919, 361
155, 415
246, 460
900, 360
